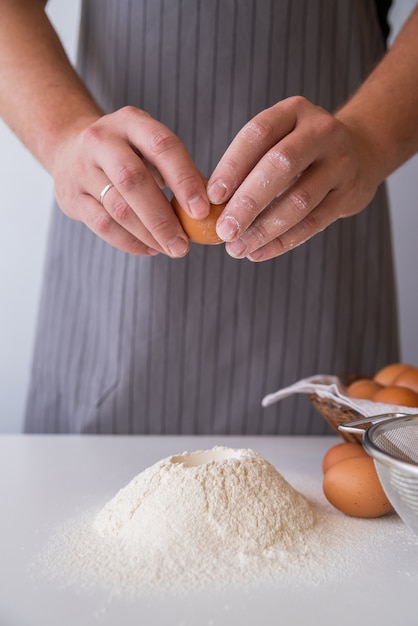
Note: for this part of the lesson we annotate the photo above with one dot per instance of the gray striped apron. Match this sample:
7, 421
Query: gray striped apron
160, 346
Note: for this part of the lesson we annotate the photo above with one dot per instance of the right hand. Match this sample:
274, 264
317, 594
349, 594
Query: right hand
139, 156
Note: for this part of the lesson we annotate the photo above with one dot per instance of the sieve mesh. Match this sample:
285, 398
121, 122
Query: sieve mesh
398, 440
394, 446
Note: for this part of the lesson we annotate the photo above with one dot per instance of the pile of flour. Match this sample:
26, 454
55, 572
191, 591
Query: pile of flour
210, 519
195, 506
204, 519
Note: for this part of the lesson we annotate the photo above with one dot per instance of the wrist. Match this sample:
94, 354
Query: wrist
57, 135
373, 157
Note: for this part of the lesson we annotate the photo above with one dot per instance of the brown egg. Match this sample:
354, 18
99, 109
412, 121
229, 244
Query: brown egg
400, 396
363, 388
387, 374
353, 487
200, 231
342, 451
408, 378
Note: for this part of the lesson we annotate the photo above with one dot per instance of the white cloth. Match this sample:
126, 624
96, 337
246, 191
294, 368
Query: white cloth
332, 388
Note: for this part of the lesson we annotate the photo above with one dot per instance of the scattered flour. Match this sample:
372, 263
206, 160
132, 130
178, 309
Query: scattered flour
205, 519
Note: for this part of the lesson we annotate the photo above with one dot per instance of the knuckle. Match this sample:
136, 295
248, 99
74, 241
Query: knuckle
186, 181
163, 141
308, 227
103, 224
328, 126
321, 218
301, 201
299, 101
274, 248
130, 114
128, 111
291, 239
256, 130
278, 246
230, 164
248, 204
259, 234
92, 135
283, 159
128, 177
120, 211
302, 232
160, 227
296, 103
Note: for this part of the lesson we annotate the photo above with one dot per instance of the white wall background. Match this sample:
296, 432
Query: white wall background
26, 195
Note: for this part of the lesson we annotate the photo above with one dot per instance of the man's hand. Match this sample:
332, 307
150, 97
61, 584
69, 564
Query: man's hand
138, 156
289, 173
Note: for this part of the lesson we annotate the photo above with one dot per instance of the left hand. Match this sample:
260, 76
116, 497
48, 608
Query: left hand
289, 173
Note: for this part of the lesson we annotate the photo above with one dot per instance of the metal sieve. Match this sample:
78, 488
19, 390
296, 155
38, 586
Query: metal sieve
392, 441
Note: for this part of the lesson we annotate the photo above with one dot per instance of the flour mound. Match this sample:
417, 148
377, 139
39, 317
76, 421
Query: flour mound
207, 501
210, 520
200, 520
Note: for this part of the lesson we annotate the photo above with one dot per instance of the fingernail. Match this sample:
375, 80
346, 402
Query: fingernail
237, 248
199, 207
178, 246
217, 191
227, 228
152, 252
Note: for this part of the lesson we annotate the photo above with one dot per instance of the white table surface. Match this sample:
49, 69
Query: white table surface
44, 479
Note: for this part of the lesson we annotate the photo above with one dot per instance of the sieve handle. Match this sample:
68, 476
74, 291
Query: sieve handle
353, 426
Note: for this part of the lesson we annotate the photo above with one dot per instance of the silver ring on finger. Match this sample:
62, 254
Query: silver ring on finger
104, 192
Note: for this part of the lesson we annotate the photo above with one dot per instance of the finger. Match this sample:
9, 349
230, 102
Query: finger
325, 214
256, 138
102, 224
164, 150
155, 174
122, 213
138, 202
274, 172
292, 207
